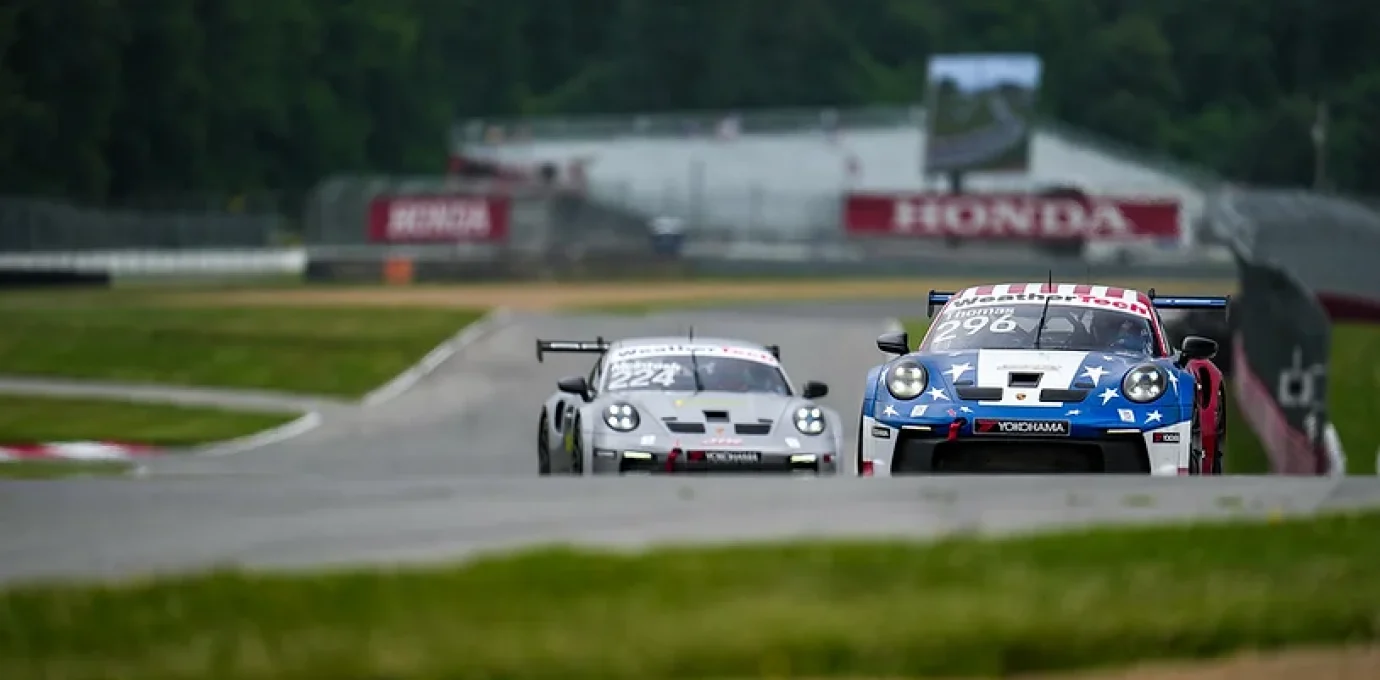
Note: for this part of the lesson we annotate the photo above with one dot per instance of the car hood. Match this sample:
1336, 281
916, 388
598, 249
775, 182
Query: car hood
1057, 369
691, 407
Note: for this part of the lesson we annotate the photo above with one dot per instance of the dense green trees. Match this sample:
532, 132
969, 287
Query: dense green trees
105, 99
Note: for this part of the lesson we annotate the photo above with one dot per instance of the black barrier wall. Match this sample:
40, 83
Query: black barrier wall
1305, 259
1283, 338
23, 278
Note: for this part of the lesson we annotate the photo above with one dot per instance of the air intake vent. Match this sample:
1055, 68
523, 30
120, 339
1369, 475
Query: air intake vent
1024, 379
979, 393
716, 415
755, 429
686, 428
1065, 396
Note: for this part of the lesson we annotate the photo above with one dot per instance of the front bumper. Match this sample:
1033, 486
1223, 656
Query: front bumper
893, 449
714, 462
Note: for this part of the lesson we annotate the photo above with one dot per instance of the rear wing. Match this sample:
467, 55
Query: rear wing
596, 346
1189, 301
938, 298
599, 346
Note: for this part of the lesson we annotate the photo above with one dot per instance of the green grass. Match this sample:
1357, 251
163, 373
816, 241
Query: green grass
52, 469
139, 336
1353, 395
959, 607
29, 419
1353, 398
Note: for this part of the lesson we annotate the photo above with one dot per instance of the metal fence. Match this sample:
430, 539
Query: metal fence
174, 222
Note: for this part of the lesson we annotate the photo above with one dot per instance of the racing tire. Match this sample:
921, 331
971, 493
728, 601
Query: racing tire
1195, 443
543, 445
1221, 430
577, 451
858, 459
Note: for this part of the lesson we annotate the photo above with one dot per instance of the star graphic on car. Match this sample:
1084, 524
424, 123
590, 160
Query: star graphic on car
957, 370
937, 394
1174, 380
889, 411
1108, 395
1153, 417
1094, 373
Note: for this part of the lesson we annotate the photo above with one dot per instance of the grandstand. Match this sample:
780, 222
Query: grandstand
784, 180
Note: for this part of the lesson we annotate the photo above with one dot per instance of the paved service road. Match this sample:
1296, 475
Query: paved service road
448, 468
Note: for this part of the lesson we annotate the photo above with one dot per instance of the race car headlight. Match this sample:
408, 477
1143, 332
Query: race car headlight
809, 420
1144, 383
906, 380
621, 417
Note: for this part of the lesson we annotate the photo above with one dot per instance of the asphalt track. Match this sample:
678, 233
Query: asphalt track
448, 469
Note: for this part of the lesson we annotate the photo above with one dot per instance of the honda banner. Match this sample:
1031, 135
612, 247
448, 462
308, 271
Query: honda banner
446, 218
1010, 216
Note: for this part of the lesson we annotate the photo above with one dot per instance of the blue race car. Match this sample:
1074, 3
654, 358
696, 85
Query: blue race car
1045, 378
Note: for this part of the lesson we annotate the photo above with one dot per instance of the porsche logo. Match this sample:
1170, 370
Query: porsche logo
718, 430
1020, 396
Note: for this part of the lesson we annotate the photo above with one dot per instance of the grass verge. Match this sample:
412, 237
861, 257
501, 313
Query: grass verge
31, 419
958, 607
45, 469
28, 419
153, 337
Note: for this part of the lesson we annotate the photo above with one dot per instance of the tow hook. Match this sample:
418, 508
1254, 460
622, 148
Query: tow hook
955, 426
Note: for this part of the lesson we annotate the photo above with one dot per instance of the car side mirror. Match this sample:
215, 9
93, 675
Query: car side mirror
815, 389
577, 385
894, 343
1198, 347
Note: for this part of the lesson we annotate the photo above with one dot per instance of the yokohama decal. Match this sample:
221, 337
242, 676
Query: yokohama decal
430, 219
1025, 428
1006, 216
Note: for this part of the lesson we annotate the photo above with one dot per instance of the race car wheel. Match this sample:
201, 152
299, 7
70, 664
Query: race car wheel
577, 450
858, 460
1221, 430
543, 445
1195, 444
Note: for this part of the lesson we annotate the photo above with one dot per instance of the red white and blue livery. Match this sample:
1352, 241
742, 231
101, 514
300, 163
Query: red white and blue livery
1045, 378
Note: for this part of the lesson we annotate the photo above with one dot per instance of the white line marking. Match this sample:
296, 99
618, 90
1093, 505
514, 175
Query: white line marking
306, 423
433, 360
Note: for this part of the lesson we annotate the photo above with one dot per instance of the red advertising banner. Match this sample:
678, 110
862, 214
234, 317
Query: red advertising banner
432, 219
1010, 216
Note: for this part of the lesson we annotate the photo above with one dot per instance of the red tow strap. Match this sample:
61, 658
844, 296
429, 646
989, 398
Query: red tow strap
954, 427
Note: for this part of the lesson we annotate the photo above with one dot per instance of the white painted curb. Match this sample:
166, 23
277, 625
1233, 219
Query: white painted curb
306, 423
405, 380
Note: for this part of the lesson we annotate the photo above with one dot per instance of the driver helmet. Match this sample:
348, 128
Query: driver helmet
1121, 333
734, 375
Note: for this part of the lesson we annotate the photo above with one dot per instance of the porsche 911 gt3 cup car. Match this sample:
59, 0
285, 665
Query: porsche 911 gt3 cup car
684, 405
1045, 378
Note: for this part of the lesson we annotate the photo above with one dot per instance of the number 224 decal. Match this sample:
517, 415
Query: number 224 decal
949, 329
641, 374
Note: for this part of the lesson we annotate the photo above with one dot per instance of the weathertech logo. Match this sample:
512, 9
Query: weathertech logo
1166, 437
1036, 428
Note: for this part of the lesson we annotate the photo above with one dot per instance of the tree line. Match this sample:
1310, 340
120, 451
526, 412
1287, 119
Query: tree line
110, 100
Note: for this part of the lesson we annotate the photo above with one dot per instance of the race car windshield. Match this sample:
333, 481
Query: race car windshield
676, 373
1067, 327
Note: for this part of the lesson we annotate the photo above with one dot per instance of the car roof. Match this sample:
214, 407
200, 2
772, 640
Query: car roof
684, 340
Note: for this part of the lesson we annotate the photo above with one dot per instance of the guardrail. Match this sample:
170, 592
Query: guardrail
210, 262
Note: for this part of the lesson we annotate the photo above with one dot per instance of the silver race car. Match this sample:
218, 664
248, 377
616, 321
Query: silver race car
684, 405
